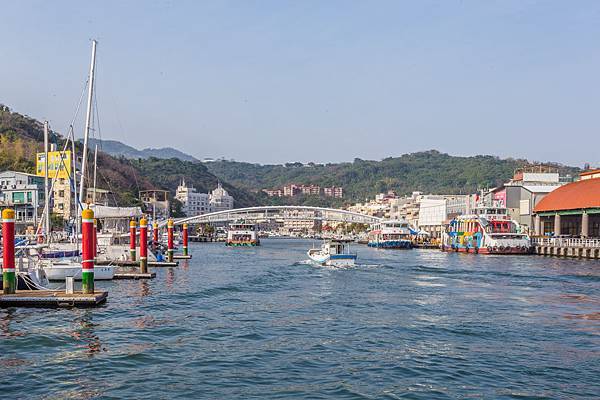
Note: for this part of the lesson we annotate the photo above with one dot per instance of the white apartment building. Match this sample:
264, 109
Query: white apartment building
194, 203
220, 200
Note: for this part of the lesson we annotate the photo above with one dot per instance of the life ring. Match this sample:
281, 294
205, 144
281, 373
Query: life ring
507, 248
501, 248
495, 248
489, 249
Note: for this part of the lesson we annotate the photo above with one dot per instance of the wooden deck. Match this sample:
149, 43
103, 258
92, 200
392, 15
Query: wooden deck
181, 257
51, 298
123, 263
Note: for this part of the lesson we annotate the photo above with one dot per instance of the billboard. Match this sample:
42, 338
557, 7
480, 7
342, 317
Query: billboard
57, 168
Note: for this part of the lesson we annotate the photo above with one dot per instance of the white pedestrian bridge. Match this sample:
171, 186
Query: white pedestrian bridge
279, 213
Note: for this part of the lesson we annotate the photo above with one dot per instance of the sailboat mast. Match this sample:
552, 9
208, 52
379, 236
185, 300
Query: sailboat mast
46, 185
88, 117
95, 168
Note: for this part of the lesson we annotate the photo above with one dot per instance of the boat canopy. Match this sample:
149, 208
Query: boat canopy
104, 212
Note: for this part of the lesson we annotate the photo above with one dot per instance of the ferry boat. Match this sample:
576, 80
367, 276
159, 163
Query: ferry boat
242, 234
391, 234
335, 253
488, 231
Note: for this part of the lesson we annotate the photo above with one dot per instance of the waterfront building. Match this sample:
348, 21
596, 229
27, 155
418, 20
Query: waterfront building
97, 196
522, 193
220, 200
63, 197
193, 203
297, 221
572, 209
24, 193
436, 210
60, 172
156, 202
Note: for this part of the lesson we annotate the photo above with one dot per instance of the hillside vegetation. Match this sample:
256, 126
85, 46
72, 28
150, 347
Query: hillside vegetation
22, 137
428, 172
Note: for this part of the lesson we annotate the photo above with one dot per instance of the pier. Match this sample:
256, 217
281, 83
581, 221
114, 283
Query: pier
51, 298
567, 247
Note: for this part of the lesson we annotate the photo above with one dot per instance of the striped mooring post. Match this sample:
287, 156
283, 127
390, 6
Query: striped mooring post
95, 234
170, 240
132, 243
9, 282
185, 239
87, 250
154, 235
144, 245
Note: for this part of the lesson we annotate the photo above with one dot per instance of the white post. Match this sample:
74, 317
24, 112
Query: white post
88, 117
46, 186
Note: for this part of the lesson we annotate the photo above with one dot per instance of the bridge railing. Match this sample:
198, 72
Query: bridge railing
566, 242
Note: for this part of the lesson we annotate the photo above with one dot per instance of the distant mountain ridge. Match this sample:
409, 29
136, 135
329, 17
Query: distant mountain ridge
119, 149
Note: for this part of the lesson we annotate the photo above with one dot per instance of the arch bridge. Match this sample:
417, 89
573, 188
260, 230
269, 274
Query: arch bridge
270, 213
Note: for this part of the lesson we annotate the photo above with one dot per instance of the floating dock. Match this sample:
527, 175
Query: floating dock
51, 298
134, 275
181, 257
124, 263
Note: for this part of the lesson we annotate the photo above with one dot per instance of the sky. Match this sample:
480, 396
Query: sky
322, 81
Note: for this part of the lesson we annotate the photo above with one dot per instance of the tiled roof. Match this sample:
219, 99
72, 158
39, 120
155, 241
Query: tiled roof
572, 196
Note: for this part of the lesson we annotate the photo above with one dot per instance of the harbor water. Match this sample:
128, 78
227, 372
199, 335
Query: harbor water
265, 323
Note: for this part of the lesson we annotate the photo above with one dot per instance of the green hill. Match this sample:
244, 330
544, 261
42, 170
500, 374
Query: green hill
21, 137
428, 171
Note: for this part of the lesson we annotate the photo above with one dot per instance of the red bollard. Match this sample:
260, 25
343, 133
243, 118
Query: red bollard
9, 282
143, 246
132, 238
185, 239
154, 234
87, 247
170, 247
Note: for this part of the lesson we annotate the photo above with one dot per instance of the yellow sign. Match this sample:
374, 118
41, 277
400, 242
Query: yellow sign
58, 167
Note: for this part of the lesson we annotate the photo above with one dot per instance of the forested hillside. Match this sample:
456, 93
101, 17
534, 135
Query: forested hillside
22, 137
429, 172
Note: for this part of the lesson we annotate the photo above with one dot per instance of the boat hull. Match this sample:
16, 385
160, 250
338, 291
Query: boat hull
488, 250
60, 272
242, 244
334, 260
395, 244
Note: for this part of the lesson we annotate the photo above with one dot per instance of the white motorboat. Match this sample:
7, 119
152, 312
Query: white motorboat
333, 253
58, 270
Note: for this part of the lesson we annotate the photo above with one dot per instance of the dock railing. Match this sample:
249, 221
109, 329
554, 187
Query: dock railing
566, 242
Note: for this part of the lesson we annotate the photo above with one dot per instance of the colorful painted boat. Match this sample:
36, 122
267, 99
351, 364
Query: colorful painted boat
489, 230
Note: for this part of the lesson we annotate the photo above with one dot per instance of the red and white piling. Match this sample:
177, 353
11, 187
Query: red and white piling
87, 247
132, 239
170, 247
144, 245
9, 282
185, 239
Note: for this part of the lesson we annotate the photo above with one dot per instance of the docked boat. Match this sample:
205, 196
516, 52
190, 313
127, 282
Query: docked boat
391, 234
333, 253
58, 270
242, 234
489, 230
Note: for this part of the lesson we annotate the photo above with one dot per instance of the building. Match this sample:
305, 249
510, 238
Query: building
310, 189
97, 196
60, 168
436, 210
522, 193
273, 192
193, 203
63, 197
297, 221
24, 193
572, 209
334, 191
156, 202
291, 190
220, 200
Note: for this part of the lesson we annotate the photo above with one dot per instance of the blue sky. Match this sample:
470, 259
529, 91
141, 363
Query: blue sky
277, 81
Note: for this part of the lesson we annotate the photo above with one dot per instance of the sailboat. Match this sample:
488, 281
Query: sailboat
61, 268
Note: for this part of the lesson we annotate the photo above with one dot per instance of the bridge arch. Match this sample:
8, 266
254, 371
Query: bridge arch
280, 212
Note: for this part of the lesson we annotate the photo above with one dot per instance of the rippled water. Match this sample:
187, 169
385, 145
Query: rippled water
263, 323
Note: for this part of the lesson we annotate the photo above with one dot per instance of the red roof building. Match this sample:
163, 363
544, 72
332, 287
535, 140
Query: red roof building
572, 209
